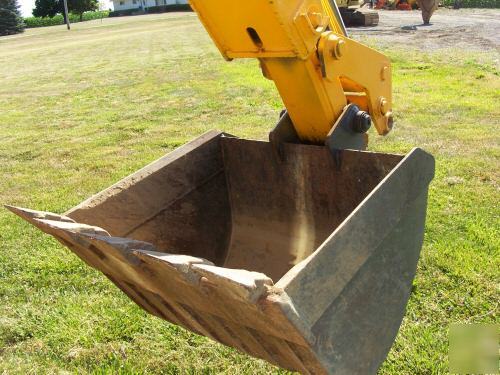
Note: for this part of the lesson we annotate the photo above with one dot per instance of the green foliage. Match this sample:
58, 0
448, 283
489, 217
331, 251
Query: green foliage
81, 6
47, 8
88, 16
169, 8
125, 12
42, 22
153, 9
473, 3
11, 21
59, 19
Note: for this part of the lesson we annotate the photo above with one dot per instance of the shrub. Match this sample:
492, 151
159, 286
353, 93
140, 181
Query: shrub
59, 19
169, 8
472, 3
88, 16
45, 21
125, 12
154, 9
49, 8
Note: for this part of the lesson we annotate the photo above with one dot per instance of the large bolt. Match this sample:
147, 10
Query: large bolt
390, 120
339, 49
383, 105
362, 122
336, 46
389, 123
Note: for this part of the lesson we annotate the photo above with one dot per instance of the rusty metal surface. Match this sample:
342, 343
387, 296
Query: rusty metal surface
354, 289
305, 261
282, 210
178, 203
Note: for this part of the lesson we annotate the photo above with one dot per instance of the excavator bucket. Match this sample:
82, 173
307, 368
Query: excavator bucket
304, 258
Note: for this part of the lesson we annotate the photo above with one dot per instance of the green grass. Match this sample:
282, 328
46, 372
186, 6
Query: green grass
80, 110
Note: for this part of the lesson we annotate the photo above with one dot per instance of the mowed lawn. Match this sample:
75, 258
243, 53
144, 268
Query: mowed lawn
81, 109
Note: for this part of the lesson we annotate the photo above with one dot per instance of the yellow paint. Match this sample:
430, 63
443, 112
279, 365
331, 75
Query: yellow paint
316, 69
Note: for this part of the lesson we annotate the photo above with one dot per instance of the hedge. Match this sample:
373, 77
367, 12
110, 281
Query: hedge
472, 3
59, 19
169, 8
126, 12
154, 9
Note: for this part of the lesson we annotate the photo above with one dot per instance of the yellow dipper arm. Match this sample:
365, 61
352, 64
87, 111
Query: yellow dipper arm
303, 49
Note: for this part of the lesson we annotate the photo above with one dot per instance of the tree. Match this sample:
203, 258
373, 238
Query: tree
49, 8
11, 21
81, 6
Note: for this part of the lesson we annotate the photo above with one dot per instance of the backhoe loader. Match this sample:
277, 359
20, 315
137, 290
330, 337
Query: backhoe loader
300, 250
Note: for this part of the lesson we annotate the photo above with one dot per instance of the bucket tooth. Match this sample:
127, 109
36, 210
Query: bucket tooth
59, 226
28, 214
241, 284
182, 263
54, 224
304, 261
238, 283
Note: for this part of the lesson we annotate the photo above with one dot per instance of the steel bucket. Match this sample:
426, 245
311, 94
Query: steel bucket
302, 259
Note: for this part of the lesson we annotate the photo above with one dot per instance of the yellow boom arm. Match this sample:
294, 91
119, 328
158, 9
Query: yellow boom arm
302, 47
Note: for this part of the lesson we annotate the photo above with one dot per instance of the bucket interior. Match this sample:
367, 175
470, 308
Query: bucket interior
236, 203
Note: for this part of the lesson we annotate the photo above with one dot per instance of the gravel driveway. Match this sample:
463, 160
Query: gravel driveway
477, 29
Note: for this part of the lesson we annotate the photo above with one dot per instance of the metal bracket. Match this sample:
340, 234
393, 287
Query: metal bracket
348, 132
